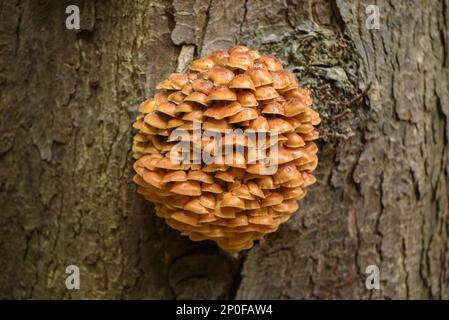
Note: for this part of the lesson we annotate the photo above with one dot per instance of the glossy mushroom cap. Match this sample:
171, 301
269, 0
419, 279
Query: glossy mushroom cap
222, 93
247, 98
202, 85
242, 81
220, 76
260, 76
241, 60
232, 198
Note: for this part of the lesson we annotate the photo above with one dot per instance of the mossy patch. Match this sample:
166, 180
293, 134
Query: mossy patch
325, 62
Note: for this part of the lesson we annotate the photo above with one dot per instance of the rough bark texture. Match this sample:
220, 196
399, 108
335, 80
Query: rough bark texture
68, 99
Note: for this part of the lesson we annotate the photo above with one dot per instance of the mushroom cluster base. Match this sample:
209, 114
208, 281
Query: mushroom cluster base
232, 201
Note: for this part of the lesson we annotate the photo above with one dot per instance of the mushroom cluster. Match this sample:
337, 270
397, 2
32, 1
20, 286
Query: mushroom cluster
232, 202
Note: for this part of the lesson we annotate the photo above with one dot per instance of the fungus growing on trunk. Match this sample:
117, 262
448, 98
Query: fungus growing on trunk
235, 199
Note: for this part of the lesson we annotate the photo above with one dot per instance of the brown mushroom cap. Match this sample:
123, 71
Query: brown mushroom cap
157, 120
230, 200
217, 125
225, 212
285, 173
220, 57
207, 200
266, 93
153, 178
201, 176
174, 176
202, 85
294, 107
280, 125
161, 97
174, 123
164, 85
184, 217
266, 183
212, 187
202, 64
260, 77
241, 60
224, 176
311, 136
222, 93
299, 93
239, 221
274, 108
167, 108
185, 106
220, 76
294, 140
263, 220
141, 137
242, 81
147, 106
187, 88
196, 114
223, 110
252, 204
247, 98
281, 79
243, 192
260, 124
272, 63
197, 97
245, 114
195, 206
292, 193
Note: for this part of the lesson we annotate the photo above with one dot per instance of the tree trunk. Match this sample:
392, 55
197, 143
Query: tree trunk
68, 99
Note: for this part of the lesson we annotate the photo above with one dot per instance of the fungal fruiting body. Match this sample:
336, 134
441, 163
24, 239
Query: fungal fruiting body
251, 186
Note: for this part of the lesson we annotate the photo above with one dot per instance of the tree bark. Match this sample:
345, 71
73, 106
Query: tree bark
68, 99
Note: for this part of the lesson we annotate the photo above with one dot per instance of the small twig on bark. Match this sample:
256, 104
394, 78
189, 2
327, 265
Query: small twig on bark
359, 96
